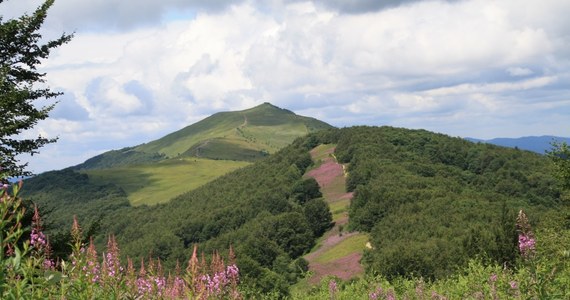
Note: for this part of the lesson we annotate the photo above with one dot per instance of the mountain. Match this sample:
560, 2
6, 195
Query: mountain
159, 170
538, 144
245, 135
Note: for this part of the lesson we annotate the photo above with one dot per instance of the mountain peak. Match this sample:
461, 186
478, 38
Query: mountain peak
233, 135
268, 107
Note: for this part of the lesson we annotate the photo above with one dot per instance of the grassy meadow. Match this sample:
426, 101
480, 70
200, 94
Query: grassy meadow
353, 244
158, 183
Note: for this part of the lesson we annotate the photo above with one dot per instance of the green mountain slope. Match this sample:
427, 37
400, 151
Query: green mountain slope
247, 134
240, 135
153, 183
157, 171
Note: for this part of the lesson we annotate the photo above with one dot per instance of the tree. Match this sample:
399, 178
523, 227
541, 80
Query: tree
318, 215
21, 51
305, 190
560, 156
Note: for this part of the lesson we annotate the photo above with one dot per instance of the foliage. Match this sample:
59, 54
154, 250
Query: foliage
21, 51
305, 190
251, 208
560, 156
318, 216
544, 275
432, 202
28, 272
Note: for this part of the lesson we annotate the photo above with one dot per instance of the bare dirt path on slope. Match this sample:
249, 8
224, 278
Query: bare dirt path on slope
331, 178
245, 122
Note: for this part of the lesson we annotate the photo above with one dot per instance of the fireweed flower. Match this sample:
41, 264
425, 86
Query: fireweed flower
232, 272
526, 245
144, 287
175, 288
391, 295
92, 268
37, 237
111, 264
526, 237
376, 294
332, 288
175, 284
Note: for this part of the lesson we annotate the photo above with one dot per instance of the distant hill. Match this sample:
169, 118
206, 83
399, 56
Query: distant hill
244, 135
538, 144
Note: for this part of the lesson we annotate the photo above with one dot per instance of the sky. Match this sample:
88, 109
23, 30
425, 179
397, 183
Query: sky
137, 70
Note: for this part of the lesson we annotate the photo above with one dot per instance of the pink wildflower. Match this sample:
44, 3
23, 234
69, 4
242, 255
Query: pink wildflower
376, 294
390, 295
526, 237
111, 264
37, 237
332, 288
526, 245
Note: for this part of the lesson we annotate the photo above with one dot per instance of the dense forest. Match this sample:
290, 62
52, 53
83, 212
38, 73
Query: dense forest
430, 203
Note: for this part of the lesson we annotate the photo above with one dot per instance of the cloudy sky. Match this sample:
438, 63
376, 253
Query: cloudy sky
139, 69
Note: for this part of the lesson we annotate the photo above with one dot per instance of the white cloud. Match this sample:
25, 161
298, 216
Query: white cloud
497, 87
518, 71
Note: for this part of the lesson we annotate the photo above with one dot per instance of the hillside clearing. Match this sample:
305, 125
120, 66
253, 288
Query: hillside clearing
338, 253
158, 183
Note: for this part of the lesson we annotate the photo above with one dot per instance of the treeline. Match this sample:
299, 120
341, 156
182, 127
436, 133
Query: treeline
123, 157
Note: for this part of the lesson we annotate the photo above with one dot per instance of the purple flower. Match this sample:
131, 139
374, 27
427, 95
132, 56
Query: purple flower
493, 277
526, 237
143, 286
376, 294
526, 245
332, 287
514, 285
48, 264
37, 239
232, 272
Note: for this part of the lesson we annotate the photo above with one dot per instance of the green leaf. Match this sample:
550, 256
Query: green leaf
52, 277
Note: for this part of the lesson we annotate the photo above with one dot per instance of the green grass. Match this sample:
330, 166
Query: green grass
339, 208
321, 151
160, 182
264, 127
353, 244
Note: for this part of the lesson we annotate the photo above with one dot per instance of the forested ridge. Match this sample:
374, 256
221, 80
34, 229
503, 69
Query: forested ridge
429, 201
432, 202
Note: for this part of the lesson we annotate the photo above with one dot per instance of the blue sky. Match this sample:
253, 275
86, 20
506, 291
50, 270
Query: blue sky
137, 70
